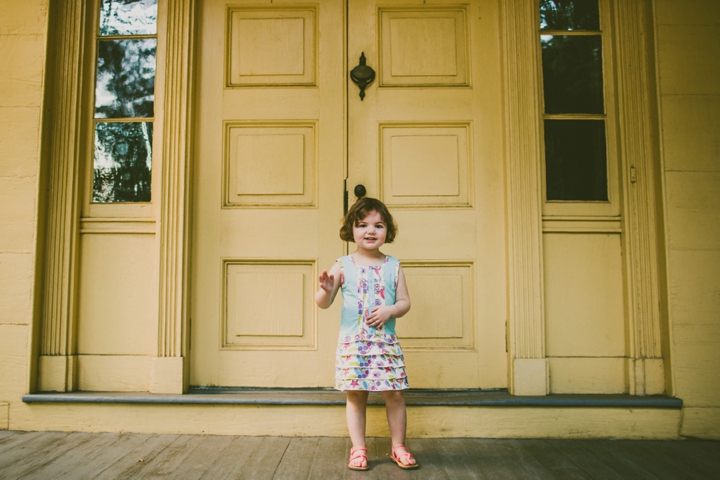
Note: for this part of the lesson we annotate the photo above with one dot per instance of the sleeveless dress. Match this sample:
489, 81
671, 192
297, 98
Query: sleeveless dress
368, 358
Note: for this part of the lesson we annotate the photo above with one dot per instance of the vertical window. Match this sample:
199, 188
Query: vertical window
574, 118
124, 106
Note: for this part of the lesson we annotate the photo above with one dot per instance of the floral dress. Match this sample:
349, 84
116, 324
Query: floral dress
368, 358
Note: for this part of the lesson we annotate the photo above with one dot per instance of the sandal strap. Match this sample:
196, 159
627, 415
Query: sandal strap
355, 453
402, 454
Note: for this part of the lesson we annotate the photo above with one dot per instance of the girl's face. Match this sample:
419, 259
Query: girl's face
370, 232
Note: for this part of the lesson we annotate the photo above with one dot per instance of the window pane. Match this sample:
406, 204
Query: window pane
128, 17
125, 85
569, 15
123, 162
572, 74
575, 162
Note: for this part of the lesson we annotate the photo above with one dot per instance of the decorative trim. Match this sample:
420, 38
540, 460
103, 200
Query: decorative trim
57, 324
318, 396
118, 225
176, 194
584, 224
524, 204
638, 157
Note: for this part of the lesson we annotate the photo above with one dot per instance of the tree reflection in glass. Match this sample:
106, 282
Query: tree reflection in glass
572, 73
125, 85
128, 17
123, 162
569, 15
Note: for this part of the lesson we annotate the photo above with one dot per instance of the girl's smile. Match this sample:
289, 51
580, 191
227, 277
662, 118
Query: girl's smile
370, 232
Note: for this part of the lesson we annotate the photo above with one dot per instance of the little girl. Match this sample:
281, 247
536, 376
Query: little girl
369, 357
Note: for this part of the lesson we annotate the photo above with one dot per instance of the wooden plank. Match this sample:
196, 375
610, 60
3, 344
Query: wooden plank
504, 459
32, 443
167, 462
589, 464
266, 458
616, 456
211, 448
18, 438
234, 458
551, 464
91, 459
45, 455
676, 459
458, 463
68, 463
428, 455
330, 459
136, 459
298, 458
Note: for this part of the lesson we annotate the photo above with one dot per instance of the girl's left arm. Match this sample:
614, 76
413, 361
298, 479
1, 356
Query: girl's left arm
402, 297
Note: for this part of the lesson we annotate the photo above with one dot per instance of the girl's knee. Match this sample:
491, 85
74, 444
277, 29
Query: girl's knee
394, 396
356, 396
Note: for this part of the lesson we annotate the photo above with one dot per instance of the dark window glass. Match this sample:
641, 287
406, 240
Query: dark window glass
569, 15
123, 162
572, 74
128, 17
125, 85
575, 160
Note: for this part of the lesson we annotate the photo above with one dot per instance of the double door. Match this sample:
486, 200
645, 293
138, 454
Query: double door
282, 134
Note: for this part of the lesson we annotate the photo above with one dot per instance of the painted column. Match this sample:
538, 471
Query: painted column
57, 366
640, 167
526, 323
169, 367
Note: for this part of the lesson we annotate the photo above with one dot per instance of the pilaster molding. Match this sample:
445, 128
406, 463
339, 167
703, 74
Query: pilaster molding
175, 196
58, 323
639, 164
526, 326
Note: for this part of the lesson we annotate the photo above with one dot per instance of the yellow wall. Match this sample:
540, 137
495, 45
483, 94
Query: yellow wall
23, 39
688, 64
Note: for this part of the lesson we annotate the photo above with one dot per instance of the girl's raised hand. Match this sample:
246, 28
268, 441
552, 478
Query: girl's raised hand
327, 281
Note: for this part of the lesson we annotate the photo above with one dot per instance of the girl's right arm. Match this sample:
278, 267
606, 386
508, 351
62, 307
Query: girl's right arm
329, 286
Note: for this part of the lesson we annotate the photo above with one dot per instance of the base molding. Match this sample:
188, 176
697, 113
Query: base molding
329, 420
4, 416
167, 375
321, 412
530, 376
57, 373
701, 422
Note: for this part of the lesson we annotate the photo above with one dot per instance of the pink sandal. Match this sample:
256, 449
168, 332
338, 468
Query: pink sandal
354, 455
402, 459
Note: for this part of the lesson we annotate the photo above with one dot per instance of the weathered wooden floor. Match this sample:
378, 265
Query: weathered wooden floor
56, 455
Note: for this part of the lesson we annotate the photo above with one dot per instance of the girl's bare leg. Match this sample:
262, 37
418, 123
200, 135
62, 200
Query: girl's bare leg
355, 414
397, 417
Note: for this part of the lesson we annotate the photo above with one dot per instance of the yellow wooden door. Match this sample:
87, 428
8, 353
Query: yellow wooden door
278, 133
427, 140
268, 176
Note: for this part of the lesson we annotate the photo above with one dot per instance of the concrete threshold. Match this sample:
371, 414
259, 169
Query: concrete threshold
321, 396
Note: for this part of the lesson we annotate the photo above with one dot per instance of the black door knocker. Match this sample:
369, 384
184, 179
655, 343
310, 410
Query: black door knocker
362, 75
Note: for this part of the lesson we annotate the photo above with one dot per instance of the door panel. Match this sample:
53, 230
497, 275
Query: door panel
427, 141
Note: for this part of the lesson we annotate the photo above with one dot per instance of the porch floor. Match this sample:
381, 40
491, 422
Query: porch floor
60, 455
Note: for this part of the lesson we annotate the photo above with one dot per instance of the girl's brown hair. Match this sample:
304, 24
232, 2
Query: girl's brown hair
360, 210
